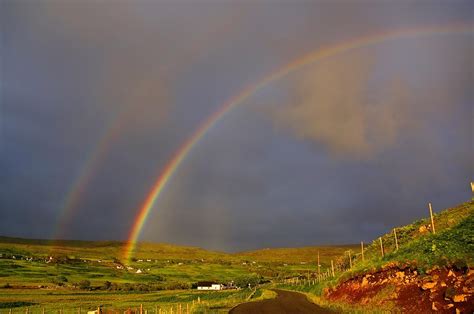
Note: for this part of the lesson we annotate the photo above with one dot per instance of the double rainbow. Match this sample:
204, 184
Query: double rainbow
325, 52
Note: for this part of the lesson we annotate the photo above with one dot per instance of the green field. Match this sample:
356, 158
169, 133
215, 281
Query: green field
73, 275
68, 275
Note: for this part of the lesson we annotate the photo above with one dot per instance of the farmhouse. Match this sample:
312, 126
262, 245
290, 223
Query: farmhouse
209, 285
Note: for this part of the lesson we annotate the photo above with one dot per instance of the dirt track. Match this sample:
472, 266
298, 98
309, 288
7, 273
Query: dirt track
285, 302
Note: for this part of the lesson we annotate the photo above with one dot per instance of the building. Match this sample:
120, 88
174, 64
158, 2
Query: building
209, 285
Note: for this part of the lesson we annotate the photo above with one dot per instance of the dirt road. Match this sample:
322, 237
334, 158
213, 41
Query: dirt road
286, 302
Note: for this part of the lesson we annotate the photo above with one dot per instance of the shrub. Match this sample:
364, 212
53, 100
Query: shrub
84, 284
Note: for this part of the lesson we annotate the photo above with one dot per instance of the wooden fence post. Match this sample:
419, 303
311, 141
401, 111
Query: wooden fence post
332, 267
396, 240
362, 250
381, 246
319, 267
432, 219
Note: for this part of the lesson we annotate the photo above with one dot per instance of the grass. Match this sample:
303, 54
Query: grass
452, 245
169, 271
70, 302
30, 279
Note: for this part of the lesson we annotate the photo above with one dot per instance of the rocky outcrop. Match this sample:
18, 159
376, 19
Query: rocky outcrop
444, 290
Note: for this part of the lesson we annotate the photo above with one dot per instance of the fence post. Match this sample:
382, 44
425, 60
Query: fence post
396, 240
381, 246
332, 267
319, 267
362, 249
432, 219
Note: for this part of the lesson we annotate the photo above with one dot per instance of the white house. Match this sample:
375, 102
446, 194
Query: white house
208, 285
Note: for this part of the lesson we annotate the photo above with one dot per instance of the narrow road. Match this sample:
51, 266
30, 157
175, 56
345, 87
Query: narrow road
286, 302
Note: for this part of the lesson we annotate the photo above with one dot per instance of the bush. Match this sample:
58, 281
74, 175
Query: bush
84, 284
243, 282
59, 280
107, 285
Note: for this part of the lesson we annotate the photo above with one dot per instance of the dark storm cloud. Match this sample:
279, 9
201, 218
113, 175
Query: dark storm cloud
265, 175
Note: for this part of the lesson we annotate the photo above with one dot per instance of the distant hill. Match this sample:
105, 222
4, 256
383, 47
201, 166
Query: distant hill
162, 251
297, 255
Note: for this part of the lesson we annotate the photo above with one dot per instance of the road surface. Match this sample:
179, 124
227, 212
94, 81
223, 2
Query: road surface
286, 302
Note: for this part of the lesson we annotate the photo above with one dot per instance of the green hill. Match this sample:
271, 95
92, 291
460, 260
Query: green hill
453, 241
430, 271
298, 255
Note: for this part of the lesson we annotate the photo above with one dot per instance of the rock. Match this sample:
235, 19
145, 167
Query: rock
443, 284
459, 298
428, 285
400, 275
423, 229
447, 307
364, 283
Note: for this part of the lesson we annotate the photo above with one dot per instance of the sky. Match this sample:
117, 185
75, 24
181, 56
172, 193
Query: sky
96, 97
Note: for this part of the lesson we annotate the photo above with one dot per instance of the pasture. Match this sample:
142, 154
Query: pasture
70, 275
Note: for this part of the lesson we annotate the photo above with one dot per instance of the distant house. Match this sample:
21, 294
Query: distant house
209, 285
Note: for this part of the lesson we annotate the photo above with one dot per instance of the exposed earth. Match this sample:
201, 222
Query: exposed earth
286, 302
443, 290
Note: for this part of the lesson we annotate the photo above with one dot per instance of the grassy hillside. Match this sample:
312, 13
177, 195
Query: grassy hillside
429, 270
104, 250
452, 243
298, 255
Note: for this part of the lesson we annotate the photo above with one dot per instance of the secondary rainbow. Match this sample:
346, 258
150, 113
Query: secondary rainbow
322, 53
86, 173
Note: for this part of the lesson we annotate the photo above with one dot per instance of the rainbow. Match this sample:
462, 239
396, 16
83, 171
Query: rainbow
87, 171
325, 52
